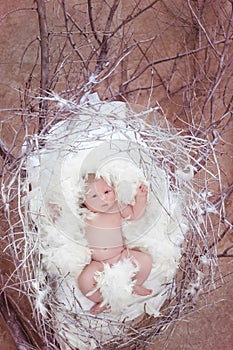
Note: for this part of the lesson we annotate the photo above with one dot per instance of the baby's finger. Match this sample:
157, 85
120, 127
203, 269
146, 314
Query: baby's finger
143, 189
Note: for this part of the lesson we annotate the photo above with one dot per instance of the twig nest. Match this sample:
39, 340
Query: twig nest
123, 147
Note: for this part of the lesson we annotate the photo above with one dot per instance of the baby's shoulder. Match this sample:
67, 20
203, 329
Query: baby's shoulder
91, 218
95, 218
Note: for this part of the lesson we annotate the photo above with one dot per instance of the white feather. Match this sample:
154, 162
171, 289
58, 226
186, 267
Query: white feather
116, 284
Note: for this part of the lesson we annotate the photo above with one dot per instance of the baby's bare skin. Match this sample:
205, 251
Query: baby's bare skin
104, 235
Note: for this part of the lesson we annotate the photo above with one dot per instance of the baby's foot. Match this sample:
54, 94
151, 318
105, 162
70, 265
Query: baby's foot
97, 308
139, 290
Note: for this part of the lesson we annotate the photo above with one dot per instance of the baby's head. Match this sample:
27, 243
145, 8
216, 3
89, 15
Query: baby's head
99, 196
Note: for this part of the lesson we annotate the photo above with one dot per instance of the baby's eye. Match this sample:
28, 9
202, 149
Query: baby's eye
94, 195
107, 191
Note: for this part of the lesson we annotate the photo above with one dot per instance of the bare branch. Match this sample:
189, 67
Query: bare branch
104, 47
72, 43
168, 59
131, 17
44, 44
203, 29
89, 6
5, 153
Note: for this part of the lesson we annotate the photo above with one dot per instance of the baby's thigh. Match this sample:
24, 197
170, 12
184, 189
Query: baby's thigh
86, 280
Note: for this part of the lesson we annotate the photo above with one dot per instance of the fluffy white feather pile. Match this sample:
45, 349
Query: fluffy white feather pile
96, 143
116, 284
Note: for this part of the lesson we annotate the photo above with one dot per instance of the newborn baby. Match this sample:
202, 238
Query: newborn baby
105, 239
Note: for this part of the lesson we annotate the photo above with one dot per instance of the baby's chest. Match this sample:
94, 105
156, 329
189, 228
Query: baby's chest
107, 221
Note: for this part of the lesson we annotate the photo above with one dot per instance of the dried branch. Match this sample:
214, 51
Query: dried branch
44, 44
203, 29
132, 16
225, 253
72, 43
168, 59
20, 9
90, 7
104, 46
5, 153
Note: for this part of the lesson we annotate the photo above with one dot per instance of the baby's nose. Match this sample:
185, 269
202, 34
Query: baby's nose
102, 196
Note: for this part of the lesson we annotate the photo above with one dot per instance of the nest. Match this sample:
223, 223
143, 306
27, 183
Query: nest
63, 323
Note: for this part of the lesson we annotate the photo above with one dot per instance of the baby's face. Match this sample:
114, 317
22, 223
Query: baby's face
100, 197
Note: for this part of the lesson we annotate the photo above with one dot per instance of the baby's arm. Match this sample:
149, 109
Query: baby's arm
134, 212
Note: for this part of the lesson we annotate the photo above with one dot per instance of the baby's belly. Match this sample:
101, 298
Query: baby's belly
101, 254
101, 238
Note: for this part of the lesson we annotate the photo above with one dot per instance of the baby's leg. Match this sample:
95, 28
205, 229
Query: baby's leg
144, 261
87, 284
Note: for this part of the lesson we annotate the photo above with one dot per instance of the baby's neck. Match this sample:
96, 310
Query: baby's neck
112, 211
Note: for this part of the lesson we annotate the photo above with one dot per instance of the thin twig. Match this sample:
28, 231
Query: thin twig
72, 43
44, 44
170, 58
131, 17
104, 47
5, 153
89, 6
202, 28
